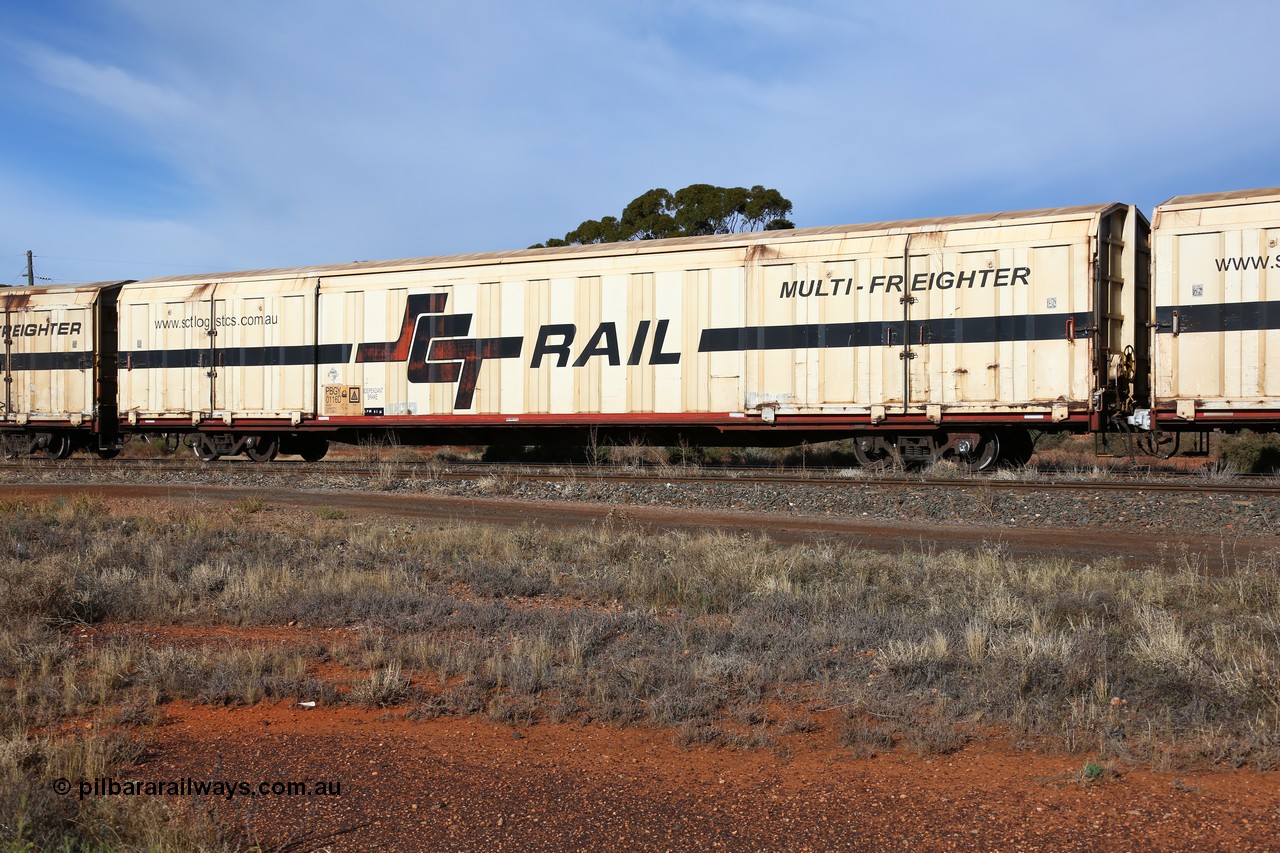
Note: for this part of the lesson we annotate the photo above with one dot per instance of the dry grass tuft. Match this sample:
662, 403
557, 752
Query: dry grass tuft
699, 632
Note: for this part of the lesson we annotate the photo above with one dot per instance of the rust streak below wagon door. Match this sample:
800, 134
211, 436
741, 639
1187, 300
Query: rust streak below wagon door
8, 362
215, 368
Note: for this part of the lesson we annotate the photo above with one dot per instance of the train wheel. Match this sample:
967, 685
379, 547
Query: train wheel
203, 449
263, 448
980, 454
872, 452
58, 447
314, 451
1016, 447
108, 452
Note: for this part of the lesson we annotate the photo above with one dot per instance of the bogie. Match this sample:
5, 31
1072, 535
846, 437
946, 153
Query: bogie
204, 448
261, 448
979, 450
57, 445
47, 445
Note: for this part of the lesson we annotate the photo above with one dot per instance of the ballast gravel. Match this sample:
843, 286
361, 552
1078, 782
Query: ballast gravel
992, 503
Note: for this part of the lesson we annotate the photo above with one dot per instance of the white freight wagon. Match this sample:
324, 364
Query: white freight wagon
1216, 312
926, 338
56, 367
233, 355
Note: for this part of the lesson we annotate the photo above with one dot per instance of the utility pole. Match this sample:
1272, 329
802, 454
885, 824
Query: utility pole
31, 273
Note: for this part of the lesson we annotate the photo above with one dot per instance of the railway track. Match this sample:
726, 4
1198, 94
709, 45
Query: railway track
1063, 480
1142, 522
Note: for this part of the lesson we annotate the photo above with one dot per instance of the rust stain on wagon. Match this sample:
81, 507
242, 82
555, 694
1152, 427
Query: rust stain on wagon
15, 301
762, 252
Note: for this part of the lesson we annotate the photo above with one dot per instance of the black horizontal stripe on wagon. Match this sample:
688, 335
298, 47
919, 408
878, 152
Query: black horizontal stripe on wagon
75, 360
287, 356
952, 330
1218, 317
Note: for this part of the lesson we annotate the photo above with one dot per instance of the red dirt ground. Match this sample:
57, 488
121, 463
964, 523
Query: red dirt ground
471, 784
466, 783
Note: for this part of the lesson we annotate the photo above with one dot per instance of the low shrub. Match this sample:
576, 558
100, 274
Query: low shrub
1250, 453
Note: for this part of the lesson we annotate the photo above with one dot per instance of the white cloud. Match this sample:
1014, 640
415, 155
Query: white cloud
108, 86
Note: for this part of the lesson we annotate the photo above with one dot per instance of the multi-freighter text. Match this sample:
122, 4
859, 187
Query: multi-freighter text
898, 283
32, 330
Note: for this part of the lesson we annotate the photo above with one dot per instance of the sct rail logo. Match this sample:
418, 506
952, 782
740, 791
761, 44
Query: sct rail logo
432, 343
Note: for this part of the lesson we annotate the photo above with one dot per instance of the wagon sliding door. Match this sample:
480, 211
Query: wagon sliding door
958, 355
1216, 318
218, 350
166, 353
262, 356
1001, 328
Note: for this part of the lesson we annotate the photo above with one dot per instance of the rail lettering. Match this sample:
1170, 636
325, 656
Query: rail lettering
557, 340
436, 349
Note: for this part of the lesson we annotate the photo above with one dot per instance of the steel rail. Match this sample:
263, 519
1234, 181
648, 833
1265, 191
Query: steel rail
824, 477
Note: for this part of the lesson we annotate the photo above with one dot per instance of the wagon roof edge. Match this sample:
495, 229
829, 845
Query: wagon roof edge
1254, 196
638, 247
57, 288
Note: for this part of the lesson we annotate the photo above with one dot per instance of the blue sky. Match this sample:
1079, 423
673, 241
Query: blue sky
151, 137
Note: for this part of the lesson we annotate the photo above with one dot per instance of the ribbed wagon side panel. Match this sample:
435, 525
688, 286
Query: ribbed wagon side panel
263, 352
1216, 287
1001, 335
221, 350
48, 354
970, 316
966, 319
164, 344
577, 338
970, 319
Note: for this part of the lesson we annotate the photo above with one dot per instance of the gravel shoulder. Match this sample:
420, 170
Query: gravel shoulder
1213, 531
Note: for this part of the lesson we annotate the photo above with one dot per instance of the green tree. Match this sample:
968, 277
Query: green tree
696, 210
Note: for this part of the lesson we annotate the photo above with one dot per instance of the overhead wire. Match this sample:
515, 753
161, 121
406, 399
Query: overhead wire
109, 261
18, 279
